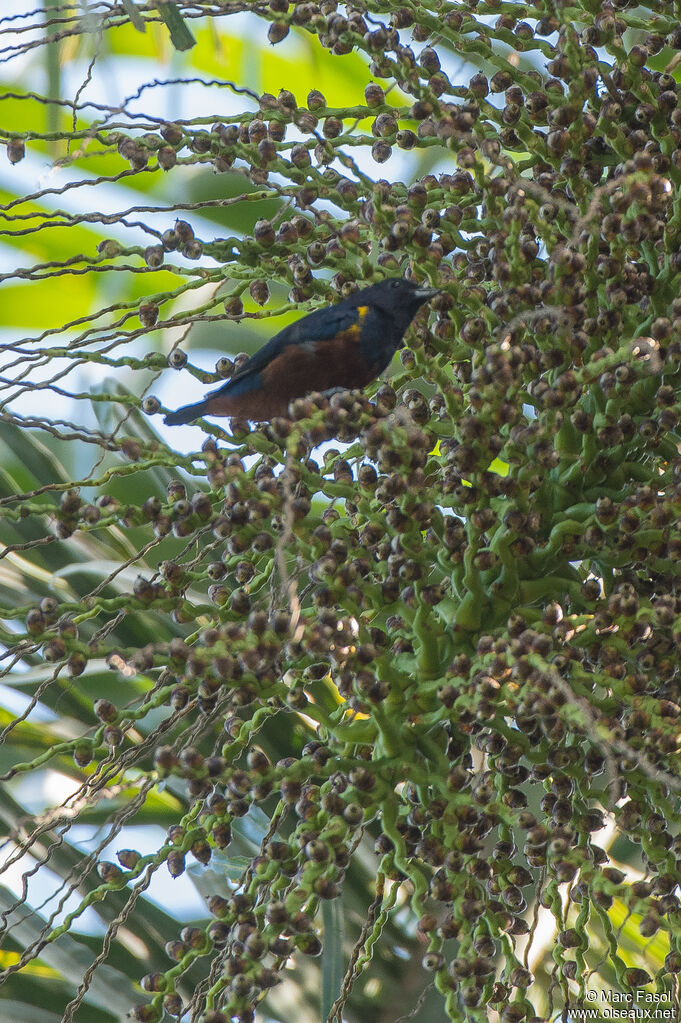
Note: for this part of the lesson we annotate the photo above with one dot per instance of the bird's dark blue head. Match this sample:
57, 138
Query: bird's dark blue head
398, 298
385, 311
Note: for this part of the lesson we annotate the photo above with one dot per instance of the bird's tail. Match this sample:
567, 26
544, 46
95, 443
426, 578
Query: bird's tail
186, 414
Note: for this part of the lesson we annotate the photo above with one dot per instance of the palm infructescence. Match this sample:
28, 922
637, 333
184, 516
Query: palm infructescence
372, 711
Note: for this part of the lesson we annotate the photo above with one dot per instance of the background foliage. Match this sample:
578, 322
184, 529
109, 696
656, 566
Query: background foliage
393, 683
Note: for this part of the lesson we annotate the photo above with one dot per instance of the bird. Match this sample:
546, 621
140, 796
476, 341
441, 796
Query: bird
339, 347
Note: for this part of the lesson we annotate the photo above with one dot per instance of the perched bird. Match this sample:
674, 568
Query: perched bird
341, 347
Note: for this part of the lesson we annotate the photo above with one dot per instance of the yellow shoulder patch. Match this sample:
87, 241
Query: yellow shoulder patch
354, 333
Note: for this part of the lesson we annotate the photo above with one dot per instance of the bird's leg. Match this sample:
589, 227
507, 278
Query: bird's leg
333, 390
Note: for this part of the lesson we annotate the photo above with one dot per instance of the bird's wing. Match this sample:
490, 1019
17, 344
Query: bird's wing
322, 325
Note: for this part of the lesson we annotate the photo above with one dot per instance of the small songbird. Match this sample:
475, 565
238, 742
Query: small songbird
341, 347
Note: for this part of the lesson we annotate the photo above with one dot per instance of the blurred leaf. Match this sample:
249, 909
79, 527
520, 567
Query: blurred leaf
332, 961
631, 943
303, 64
180, 36
24, 1013
109, 989
500, 467
238, 218
134, 15
30, 305
25, 452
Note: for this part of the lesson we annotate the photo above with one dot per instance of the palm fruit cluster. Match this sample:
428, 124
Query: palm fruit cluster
463, 614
